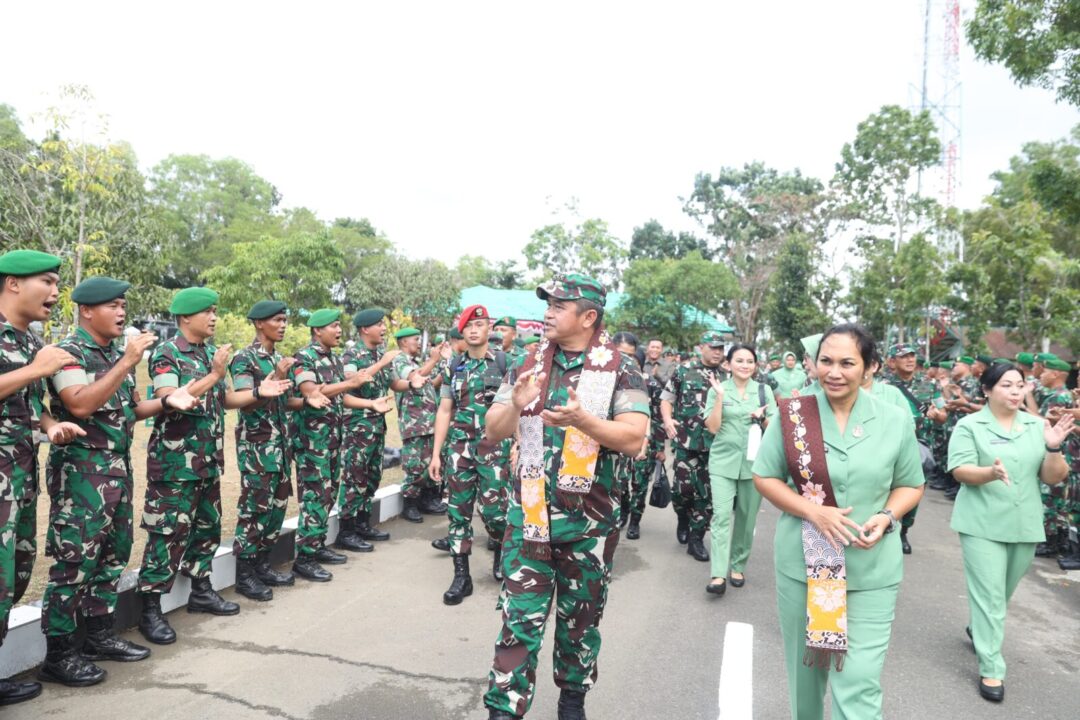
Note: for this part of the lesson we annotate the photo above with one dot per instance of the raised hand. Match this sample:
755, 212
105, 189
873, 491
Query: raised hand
717, 386
50, 359
281, 370
220, 363
445, 351
1055, 434
526, 389
136, 346
62, 433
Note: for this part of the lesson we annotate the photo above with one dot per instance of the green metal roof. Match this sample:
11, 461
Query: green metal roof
524, 305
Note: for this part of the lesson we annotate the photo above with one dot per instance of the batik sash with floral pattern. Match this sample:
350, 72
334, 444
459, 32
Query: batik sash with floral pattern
826, 573
595, 388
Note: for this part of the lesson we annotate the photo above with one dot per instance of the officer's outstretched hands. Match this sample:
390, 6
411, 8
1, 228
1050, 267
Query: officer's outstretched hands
526, 389
50, 359
137, 346
565, 415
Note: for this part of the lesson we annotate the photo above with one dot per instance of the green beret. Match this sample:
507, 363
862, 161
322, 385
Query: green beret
1043, 357
945, 365
98, 290
193, 300
774, 356
1025, 358
811, 343
712, 339
455, 334
1057, 364
438, 338
984, 359
530, 340
22, 263
266, 309
573, 286
966, 359
1002, 361
368, 317
322, 318
406, 332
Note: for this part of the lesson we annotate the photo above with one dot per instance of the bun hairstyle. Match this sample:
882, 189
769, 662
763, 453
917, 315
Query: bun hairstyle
741, 346
993, 374
862, 337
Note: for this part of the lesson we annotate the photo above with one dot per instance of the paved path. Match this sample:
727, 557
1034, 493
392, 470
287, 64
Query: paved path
378, 643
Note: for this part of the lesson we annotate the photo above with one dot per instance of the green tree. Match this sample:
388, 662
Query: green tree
425, 290
476, 270
362, 247
576, 245
792, 311
652, 241
236, 329
661, 296
1037, 40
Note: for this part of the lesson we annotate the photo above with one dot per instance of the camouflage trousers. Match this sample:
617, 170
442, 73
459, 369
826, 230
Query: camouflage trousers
183, 522
264, 498
693, 487
475, 477
576, 579
415, 458
18, 548
89, 540
634, 476
1055, 508
317, 473
361, 470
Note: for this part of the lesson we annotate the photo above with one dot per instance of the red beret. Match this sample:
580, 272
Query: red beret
471, 313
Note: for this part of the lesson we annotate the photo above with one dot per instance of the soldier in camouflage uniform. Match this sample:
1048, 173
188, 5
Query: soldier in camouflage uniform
1070, 556
507, 327
927, 408
633, 472
319, 377
417, 400
28, 292
477, 469
184, 461
260, 375
682, 406
964, 396
1056, 399
365, 431
571, 569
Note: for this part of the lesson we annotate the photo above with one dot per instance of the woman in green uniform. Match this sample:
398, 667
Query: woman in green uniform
1000, 455
874, 477
788, 376
732, 410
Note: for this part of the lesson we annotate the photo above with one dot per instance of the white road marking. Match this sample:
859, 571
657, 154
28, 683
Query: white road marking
737, 673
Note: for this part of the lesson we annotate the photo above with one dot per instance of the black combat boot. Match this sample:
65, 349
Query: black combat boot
249, 584
624, 511
492, 543
905, 546
204, 599
431, 502
64, 664
682, 530
461, 586
1071, 561
103, 644
329, 557
410, 511
695, 548
494, 714
496, 564
633, 531
442, 543
308, 568
347, 539
153, 625
269, 575
16, 692
1050, 547
571, 705
364, 529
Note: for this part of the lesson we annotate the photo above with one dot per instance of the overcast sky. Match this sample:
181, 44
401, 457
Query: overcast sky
457, 127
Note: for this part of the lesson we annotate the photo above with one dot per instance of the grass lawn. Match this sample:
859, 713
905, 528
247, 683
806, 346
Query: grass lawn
230, 491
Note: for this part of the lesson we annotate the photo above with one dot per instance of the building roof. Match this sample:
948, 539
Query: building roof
524, 305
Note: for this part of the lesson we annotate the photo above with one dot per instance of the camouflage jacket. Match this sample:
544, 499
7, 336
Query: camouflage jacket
416, 406
686, 390
186, 445
657, 435
20, 416
471, 385
924, 391
1055, 397
357, 358
106, 447
262, 436
319, 429
596, 516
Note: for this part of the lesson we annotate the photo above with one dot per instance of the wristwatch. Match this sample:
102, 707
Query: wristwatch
892, 519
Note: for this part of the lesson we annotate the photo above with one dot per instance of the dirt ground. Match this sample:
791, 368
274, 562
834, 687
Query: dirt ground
230, 492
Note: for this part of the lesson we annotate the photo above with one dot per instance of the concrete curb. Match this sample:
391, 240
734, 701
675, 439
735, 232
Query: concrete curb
24, 646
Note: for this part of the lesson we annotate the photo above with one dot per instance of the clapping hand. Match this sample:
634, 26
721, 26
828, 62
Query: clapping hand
138, 345
360, 377
565, 415
270, 387
527, 389
62, 433
1000, 473
181, 398
382, 405
281, 370
1055, 433
220, 363
316, 399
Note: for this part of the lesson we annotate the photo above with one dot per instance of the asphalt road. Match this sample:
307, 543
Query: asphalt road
378, 643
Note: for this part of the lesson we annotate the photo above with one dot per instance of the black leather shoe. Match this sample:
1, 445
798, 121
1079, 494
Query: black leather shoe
152, 624
970, 637
492, 543
571, 705
17, 692
905, 546
348, 539
366, 531
717, 589
695, 548
410, 511
307, 568
327, 556
269, 575
682, 530
738, 582
204, 599
103, 644
249, 584
442, 543
496, 565
633, 530
991, 692
461, 586
431, 503
64, 664
1071, 561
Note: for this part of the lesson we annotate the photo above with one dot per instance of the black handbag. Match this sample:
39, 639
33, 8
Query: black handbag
660, 496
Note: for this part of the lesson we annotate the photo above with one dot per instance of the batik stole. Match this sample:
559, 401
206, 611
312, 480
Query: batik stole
826, 573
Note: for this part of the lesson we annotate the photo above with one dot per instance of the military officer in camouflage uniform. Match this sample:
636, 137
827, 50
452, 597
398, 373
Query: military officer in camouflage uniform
365, 431
184, 461
28, 292
319, 377
417, 400
1069, 558
477, 469
507, 327
260, 375
633, 472
682, 407
562, 555
927, 408
1056, 398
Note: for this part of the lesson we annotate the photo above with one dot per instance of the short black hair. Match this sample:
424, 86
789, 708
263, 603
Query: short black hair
583, 306
862, 337
993, 374
741, 346
624, 337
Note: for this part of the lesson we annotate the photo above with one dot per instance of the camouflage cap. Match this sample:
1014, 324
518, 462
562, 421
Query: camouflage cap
774, 356
713, 339
901, 349
573, 286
